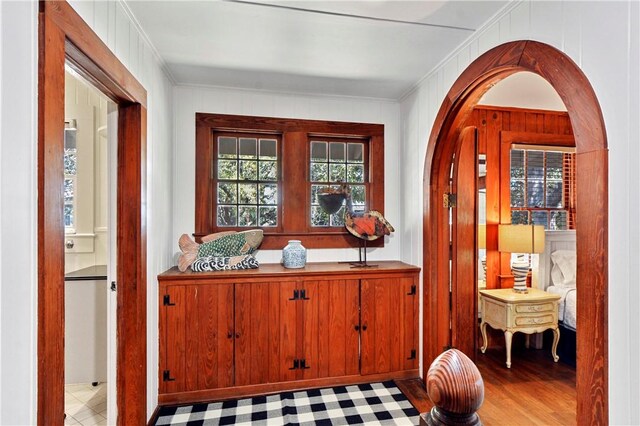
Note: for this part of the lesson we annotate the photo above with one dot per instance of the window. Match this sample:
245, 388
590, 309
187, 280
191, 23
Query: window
542, 187
333, 162
246, 180
70, 176
266, 172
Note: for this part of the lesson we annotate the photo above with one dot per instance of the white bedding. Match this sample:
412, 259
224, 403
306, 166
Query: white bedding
567, 305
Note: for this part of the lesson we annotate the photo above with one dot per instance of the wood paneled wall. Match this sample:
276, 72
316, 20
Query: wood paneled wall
491, 122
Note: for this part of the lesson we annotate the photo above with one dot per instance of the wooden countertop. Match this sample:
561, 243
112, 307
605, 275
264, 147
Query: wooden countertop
311, 268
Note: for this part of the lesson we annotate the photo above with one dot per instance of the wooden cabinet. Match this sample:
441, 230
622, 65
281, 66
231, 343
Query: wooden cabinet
238, 333
389, 324
196, 322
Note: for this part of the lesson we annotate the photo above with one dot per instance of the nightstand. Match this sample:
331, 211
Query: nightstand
532, 312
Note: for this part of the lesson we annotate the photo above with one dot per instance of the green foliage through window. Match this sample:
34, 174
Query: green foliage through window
331, 163
247, 187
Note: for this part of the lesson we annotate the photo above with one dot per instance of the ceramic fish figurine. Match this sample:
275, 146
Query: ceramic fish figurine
367, 226
219, 245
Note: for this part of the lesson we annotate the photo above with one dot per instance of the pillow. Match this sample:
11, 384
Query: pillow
563, 272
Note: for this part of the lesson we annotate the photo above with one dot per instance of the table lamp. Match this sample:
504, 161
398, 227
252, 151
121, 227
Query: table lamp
520, 239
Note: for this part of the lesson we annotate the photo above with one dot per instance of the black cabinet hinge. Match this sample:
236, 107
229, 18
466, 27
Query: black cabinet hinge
113, 286
413, 291
300, 364
413, 354
166, 376
167, 301
299, 295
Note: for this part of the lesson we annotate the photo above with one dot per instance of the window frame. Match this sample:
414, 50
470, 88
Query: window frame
509, 138
216, 180
565, 179
294, 150
310, 183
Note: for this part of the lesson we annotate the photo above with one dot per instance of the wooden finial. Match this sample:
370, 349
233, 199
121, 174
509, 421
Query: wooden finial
456, 389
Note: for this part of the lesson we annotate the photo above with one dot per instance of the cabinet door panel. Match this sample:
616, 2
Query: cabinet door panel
198, 353
330, 318
215, 336
176, 332
388, 324
265, 328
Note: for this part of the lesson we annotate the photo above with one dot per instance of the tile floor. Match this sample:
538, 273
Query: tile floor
85, 404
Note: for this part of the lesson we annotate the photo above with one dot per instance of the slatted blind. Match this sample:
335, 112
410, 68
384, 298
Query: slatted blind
542, 186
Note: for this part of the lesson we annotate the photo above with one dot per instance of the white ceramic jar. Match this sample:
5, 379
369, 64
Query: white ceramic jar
294, 255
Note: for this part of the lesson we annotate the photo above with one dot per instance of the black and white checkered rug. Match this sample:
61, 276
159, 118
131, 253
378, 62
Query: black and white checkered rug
371, 404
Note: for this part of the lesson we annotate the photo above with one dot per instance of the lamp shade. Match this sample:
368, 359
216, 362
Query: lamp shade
521, 238
482, 236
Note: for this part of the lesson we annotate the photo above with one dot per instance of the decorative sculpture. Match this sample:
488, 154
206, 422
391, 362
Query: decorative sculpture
220, 251
456, 389
366, 226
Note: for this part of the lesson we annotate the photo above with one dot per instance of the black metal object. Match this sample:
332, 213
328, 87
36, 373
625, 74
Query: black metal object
413, 291
296, 295
296, 364
413, 354
166, 301
166, 376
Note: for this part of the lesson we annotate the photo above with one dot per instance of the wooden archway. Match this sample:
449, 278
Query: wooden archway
592, 195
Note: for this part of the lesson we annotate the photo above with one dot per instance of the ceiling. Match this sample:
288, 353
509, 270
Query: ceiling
377, 49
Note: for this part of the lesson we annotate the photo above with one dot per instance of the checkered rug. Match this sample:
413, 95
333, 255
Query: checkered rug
371, 404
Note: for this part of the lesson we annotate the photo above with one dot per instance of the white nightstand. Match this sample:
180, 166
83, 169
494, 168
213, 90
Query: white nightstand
532, 312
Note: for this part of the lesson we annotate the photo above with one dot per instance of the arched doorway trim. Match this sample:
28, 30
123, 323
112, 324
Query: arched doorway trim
592, 197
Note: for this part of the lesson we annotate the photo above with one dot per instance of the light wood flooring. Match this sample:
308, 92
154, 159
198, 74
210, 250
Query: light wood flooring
534, 391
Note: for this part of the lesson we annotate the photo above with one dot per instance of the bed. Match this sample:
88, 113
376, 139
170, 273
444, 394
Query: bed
557, 274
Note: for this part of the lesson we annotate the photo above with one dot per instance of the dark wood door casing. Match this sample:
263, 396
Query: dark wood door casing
592, 204
65, 37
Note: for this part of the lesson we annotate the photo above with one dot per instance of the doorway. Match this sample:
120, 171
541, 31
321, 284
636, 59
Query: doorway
89, 301
65, 38
592, 208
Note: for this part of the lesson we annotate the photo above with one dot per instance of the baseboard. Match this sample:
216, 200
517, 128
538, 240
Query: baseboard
269, 388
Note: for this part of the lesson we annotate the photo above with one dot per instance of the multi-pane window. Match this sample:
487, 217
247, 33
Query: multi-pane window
247, 180
266, 172
540, 184
331, 163
70, 176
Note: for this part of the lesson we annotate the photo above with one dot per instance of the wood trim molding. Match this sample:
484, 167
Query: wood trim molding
235, 392
294, 183
64, 36
592, 186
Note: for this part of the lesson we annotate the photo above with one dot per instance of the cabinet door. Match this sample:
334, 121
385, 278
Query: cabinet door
330, 328
265, 331
389, 324
196, 349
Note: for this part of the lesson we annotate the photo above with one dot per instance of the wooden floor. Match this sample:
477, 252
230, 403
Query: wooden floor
534, 391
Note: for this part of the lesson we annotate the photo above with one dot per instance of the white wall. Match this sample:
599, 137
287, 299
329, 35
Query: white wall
88, 107
18, 244
524, 90
602, 38
189, 100
117, 28
18, 234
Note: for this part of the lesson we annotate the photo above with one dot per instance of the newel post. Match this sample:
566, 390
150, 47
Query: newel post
456, 389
